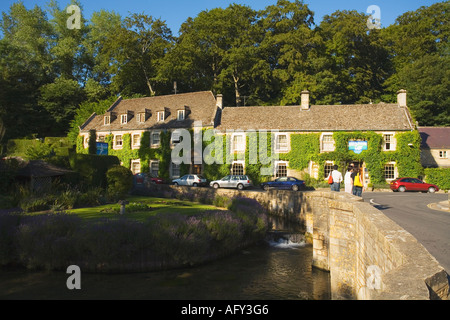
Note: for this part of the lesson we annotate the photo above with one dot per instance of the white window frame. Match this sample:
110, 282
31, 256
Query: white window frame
443, 154
331, 145
240, 148
327, 163
151, 167
152, 144
277, 145
135, 143
181, 115
392, 141
395, 172
107, 120
277, 164
116, 145
124, 118
240, 162
177, 167
175, 137
160, 116
133, 163
141, 117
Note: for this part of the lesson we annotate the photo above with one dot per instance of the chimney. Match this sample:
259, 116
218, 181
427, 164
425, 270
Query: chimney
305, 100
401, 98
219, 101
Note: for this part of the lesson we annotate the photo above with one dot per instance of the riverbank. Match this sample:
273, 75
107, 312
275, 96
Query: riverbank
122, 244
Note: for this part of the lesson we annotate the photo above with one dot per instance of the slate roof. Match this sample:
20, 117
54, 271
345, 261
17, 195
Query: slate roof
198, 106
435, 137
363, 117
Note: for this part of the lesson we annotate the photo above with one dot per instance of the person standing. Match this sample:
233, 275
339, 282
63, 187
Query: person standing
348, 181
337, 179
358, 182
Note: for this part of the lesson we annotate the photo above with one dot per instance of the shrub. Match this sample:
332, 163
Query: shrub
120, 182
8, 227
47, 241
92, 168
109, 244
439, 177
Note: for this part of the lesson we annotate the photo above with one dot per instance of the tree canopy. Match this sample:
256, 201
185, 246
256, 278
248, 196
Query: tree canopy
51, 75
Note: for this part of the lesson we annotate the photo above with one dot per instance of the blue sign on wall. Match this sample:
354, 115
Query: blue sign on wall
357, 146
102, 148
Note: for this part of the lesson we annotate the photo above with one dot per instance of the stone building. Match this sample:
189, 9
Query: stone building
362, 130
435, 148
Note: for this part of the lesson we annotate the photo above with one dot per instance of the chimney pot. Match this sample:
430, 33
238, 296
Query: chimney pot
219, 101
305, 100
401, 98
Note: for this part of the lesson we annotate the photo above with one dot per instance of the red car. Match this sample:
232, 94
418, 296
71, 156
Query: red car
141, 178
412, 184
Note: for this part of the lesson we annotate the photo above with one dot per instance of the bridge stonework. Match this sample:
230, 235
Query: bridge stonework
369, 256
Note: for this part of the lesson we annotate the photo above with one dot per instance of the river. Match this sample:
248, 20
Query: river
277, 269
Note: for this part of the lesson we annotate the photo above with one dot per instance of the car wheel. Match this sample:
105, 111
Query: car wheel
216, 186
401, 189
240, 186
195, 185
175, 183
266, 187
295, 187
431, 189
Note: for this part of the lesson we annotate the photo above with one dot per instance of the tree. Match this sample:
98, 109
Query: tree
25, 65
101, 54
69, 57
427, 81
287, 45
139, 45
355, 64
419, 51
61, 99
218, 51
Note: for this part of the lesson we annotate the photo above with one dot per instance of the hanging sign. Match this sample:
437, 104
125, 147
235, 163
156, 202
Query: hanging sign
102, 148
357, 146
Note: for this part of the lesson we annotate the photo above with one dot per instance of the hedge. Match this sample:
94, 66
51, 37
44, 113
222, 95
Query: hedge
439, 177
93, 168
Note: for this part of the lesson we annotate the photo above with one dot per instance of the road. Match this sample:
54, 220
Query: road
410, 211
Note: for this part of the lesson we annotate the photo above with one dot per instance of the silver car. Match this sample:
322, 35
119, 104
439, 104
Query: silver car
194, 180
232, 181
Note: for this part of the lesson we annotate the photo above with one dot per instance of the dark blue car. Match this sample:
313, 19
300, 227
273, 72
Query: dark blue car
289, 183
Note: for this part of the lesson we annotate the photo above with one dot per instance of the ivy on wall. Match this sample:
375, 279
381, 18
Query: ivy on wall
304, 148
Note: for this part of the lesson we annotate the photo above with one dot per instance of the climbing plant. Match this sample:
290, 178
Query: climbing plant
304, 148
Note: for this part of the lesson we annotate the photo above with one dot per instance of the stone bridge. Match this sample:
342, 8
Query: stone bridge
369, 256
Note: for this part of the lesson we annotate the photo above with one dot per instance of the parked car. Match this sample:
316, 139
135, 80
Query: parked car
289, 183
144, 178
194, 180
154, 179
412, 184
232, 181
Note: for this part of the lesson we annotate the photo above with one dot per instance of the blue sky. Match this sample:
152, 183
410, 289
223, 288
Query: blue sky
175, 12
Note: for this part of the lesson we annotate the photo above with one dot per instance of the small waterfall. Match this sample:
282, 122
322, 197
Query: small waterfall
285, 234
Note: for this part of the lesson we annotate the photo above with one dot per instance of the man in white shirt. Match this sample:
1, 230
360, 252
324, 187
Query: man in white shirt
337, 179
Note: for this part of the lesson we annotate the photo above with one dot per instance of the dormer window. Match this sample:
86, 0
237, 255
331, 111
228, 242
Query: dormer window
181, 114
123, 118
107, 120
141, 117
161, 116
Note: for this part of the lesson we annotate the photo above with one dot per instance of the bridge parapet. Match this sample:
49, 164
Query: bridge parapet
368, 255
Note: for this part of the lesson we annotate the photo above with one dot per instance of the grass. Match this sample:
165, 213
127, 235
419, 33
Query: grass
155, 205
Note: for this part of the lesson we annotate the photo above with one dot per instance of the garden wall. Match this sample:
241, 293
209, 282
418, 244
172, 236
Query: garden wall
367, 254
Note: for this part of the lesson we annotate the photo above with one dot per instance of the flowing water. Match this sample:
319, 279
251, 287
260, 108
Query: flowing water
278, 269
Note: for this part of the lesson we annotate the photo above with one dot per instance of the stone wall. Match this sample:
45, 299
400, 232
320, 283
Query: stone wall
367, 254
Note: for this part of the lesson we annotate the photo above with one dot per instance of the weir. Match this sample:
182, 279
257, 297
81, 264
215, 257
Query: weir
369, 256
